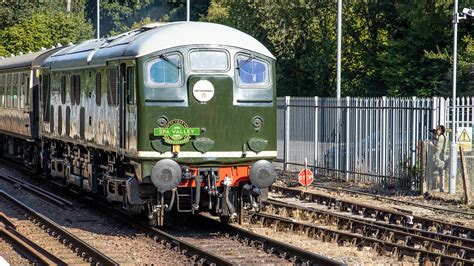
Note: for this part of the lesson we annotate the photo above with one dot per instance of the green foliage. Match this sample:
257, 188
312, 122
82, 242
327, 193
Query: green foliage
392, 48
118, 16
389, 48
44, 29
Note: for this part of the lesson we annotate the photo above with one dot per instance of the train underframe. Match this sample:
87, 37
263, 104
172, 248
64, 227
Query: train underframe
114, 178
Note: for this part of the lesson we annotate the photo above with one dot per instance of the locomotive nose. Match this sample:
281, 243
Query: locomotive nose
166, 175
262, 174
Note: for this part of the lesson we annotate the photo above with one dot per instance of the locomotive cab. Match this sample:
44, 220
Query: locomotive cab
210, 130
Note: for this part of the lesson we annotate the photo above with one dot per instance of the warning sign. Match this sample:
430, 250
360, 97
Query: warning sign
305, 177
464, 138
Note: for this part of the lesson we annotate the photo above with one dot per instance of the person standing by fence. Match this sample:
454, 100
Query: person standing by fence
439, 157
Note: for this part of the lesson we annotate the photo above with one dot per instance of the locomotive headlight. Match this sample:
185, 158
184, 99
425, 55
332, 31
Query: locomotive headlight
166, 175
262, 174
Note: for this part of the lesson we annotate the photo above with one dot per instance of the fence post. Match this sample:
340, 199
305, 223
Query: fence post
384, 141
348, 102
287, 133
316, 131
414, 129
435, 112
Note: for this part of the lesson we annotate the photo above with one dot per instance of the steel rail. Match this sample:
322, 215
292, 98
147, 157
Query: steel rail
207, 257
29, 249
297, 255
369, 228
325, 233
39, 192
190, 250
379, 213
416, 204
95, 256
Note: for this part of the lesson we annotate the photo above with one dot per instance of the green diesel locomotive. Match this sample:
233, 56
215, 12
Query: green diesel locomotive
170, 117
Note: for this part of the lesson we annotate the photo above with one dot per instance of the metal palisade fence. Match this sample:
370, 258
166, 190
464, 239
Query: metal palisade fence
362, 139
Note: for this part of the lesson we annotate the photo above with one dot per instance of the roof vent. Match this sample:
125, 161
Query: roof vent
153, 25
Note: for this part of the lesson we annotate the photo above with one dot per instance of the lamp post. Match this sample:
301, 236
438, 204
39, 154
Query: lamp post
453, 156
98, 19
338, 85
188, 10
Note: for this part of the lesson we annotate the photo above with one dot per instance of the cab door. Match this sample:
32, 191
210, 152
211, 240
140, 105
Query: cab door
127, 107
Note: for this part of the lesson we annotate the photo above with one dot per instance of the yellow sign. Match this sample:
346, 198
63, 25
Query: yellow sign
464, 138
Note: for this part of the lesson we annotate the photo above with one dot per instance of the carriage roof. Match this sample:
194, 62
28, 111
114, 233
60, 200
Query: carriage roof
149, 39
29, 60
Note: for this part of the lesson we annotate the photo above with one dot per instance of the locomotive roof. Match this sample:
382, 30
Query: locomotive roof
25, 61
149, 39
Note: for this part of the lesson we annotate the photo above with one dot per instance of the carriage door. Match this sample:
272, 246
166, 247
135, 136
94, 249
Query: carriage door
127, 107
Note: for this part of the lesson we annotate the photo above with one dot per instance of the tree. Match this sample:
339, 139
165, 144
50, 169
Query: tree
44, 29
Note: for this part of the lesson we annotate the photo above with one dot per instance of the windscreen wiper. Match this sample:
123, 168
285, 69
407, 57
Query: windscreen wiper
244, 62
167, 59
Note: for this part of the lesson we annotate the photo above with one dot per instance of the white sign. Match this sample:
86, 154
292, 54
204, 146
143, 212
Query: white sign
203, 90
464, 137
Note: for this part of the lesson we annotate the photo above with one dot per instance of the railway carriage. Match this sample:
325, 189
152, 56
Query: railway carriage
18, 112
177, 116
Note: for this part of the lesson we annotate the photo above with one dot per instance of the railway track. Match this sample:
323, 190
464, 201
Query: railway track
329, 226
397, 201
51, 236
23, 250
208, 241
215, 244
44, 194
389, 216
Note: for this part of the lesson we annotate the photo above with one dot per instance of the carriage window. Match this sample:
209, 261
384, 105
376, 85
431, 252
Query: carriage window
15, 91
63, 89
2, 95
8, 96
2, 90
112, 95
98, 88
165, 71
252, 71
15, 96
209, 60
23, 90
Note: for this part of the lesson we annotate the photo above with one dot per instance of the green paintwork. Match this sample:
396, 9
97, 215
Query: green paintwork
229, 126
203, 144
257, 144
